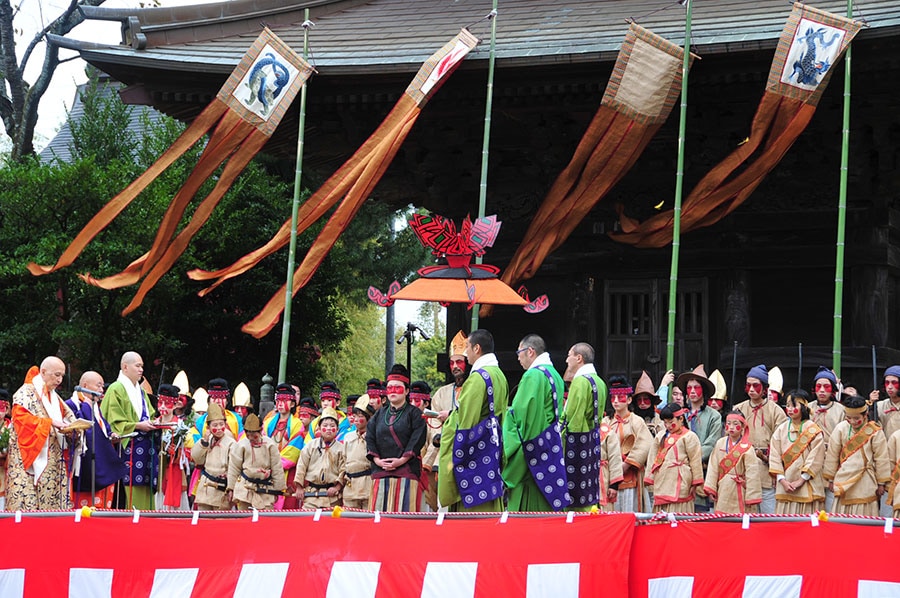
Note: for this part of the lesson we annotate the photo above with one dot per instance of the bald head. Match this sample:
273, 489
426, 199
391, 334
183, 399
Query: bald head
132, 366
92, 381
53, 370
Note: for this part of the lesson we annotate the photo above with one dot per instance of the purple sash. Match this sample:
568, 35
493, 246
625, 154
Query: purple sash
544, 456
583, 459
476, 456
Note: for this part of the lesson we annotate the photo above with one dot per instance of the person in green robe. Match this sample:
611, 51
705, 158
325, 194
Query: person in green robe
128, 412
531, 413
472, 408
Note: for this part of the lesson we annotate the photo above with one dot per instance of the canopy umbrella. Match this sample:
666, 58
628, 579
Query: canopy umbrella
459, 280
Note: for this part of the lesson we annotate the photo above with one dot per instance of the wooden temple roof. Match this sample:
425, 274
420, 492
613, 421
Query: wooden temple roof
355, 36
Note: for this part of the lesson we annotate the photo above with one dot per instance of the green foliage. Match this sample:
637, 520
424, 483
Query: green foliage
43, 207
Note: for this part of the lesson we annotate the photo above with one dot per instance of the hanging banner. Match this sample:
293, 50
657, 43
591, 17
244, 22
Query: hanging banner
349, 187
241, 119
811, 43
297, 556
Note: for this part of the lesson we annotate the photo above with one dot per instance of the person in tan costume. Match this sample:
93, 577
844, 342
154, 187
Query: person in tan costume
255, 474
211, 454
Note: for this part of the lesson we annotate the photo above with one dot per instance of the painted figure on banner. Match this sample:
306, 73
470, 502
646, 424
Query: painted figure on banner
127, 408
535, 470
857, 468
357, 475
814, 59
36, 472
470, 471
282, 426
321, 468
635, 440
394, 439
443, 401
210, 455
255, 475
762, 416
174, 459
731, 479
675, 468
797, 458
591, 475
96, 465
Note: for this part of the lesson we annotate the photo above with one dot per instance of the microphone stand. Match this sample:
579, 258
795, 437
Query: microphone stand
410, 336
93, 451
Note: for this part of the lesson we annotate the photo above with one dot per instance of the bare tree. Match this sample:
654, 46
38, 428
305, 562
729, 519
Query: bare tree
19, 99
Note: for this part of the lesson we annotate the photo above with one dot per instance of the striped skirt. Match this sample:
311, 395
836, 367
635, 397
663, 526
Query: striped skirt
396, 495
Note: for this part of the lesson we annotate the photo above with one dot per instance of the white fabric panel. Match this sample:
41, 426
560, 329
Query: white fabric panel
556, 580
353, 578
877, 589
173, 583
449, 580
90, 583
670, 587
261, 579
12, 583
764, 586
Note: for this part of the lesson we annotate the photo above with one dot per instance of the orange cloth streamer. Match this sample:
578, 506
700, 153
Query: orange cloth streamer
811, 43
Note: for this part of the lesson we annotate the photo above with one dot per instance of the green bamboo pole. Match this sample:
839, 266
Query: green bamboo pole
486, 142
679, 190
842, 215
295, 208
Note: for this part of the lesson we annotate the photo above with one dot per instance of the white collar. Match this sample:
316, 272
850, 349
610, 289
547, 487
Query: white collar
488, 359
134, 394
542, 359
586, 370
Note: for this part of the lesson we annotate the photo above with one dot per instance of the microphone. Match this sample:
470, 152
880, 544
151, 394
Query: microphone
88, 391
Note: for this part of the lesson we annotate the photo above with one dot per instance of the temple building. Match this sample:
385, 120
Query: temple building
755, 287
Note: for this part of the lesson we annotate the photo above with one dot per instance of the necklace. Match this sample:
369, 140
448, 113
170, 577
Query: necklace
391, 413
790, 427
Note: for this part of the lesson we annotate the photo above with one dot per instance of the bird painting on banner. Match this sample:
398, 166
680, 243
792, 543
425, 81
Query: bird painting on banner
242, 117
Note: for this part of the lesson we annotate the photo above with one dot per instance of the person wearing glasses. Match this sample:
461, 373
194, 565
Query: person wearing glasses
762, 416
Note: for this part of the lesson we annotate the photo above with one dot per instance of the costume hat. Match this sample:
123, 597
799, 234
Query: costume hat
365, 406
251, 424
330, 390
760, 373
167, 390
824, 372
699, 374
420, 390
242, 396
201, 400
285, 392
645, 388
458, 344
327, 413
215, 413
894, 370
776, 380
718, 381
181, 381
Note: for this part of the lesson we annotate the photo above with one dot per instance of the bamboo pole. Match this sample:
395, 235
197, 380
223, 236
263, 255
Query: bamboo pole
486, 142
295, 208
842, 215
679, 190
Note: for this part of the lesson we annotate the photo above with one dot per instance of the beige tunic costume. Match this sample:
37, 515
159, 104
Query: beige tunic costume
888, 416
635, 442
255, 474
731, 476
826, 417
210, 493
796, 450
610, 465
443, 399
676, 469
762, 421
357, 487
893, 494
856, 471
320, 467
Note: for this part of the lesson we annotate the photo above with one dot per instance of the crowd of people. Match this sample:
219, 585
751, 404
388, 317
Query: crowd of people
555, 442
